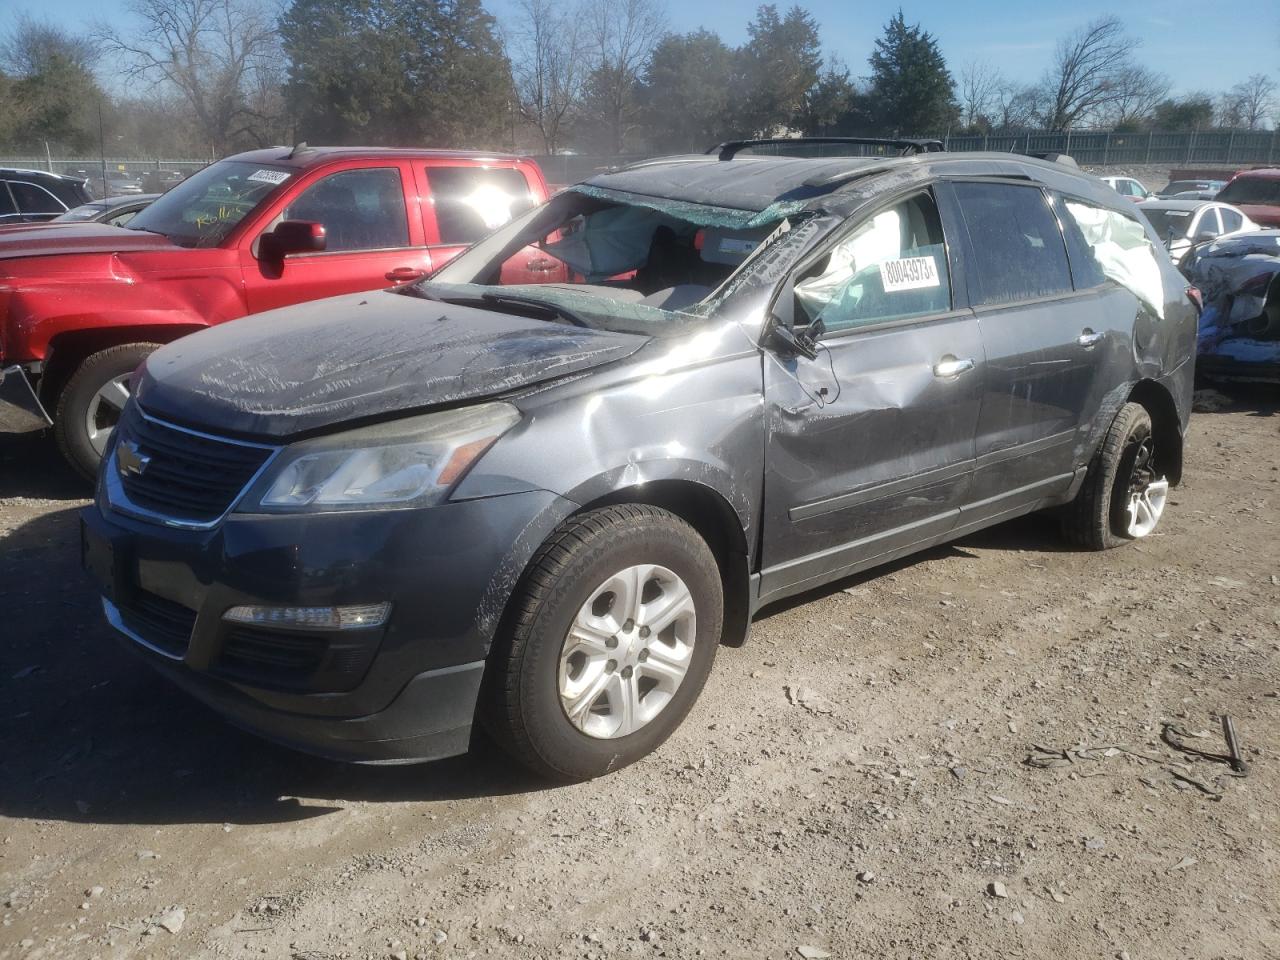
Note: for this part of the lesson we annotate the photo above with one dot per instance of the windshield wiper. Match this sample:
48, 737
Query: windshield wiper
498, 299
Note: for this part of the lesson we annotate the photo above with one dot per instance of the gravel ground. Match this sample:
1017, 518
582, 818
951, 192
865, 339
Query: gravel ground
853, 783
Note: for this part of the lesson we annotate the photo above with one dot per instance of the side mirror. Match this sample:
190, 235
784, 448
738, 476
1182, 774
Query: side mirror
291, 236
1204, 236
794, 342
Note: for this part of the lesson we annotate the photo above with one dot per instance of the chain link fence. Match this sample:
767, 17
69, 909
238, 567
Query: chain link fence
1092, 149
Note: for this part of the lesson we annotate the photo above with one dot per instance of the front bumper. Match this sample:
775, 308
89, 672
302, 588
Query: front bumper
20, 408
402, 692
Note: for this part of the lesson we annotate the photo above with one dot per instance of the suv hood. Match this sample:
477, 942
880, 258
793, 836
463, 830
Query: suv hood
43, 239
359, 357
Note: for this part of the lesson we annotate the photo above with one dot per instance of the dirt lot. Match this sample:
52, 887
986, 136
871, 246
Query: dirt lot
852, 783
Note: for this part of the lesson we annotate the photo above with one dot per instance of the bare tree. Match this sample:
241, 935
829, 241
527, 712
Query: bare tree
545, 49
1250, 104
1086, 72
620, 38
1136, 92
30, 45
210, 51
1017, 107
980, 83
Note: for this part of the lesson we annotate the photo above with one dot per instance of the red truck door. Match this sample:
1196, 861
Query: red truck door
465, 200
372, 240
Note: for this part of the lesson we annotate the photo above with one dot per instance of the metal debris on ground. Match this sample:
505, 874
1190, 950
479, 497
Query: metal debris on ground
1172, 734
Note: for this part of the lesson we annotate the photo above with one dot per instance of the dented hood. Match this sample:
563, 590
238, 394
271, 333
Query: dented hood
366, 356
44, 239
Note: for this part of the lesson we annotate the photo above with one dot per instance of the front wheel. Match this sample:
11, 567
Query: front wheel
611, 642
1124, 494
90, 404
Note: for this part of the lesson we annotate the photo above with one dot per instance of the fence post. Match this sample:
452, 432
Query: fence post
1191, 145
1026, 149
986, 142
1231, 142
1150, 137
1271, 148
1067, 151
1106, 149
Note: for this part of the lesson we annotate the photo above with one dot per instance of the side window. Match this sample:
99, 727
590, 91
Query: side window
360, 209
1086, 271
1232, 220
1121, 250
7, 209
1208, 224
471, 202
890, 267
1017, 245
34, 199
120, 219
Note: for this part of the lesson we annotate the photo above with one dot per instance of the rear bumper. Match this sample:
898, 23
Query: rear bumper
20, 408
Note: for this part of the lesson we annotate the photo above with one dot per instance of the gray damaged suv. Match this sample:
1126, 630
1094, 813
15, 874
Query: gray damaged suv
360, 525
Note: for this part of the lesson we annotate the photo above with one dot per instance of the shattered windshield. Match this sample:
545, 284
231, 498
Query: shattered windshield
202, 211
612, 260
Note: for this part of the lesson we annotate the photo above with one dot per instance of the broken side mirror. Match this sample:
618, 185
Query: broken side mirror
289, 237
793, 342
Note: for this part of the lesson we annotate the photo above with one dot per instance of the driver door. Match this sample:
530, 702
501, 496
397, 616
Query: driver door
370, 240
870, 446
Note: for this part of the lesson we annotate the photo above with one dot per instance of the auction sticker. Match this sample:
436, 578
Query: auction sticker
268, 176
911, 273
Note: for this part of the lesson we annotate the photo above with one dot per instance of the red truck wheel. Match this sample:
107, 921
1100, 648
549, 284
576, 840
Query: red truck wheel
90, 404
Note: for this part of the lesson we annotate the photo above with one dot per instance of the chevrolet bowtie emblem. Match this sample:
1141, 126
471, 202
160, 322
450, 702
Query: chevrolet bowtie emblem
130, 460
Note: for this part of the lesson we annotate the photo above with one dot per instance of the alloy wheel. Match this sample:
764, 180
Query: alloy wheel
104, 410
627, 651
1147, 493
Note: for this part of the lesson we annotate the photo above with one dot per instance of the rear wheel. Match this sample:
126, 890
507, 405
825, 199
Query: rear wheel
90, 404
1124, 493
612, 640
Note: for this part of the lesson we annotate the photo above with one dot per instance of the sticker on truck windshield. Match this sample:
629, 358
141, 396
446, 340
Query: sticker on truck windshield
911, 273
269, 176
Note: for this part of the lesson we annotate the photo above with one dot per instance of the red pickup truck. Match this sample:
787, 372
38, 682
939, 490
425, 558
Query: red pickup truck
82, 304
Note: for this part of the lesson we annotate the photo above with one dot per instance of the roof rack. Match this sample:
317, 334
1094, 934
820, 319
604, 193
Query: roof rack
730, 148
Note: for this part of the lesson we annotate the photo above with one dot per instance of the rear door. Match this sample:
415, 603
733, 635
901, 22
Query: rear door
371, 242
466, 201
870, 445
1043, 343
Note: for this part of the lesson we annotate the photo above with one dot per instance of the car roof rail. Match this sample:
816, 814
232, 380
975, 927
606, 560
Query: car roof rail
906, 147
1065, 159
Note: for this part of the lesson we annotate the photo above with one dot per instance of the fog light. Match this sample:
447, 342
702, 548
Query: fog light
312, 618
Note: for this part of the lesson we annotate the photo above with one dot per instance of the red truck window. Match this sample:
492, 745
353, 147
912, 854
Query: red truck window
471, 202
360, 209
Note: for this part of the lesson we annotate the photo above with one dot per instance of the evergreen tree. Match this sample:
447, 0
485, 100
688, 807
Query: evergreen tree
421, 72
778, 67
686, 93
911, 87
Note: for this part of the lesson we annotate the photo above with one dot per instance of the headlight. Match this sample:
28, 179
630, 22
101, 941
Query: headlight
410, 462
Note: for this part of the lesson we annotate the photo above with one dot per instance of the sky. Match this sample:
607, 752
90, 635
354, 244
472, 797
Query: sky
1200, 45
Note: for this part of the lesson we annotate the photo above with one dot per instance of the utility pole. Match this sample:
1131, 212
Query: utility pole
102, 148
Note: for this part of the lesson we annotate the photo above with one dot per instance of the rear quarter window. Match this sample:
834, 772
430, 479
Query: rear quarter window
1120, 250
1017, 246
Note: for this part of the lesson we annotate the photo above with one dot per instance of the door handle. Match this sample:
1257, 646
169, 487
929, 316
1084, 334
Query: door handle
1089, 338
405, 274
950, 366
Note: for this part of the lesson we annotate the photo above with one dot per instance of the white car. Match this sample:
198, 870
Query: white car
1128, 187
1183, 223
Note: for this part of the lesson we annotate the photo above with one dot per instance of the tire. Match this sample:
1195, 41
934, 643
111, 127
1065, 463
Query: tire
1124, 467
80, 397
526, 708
